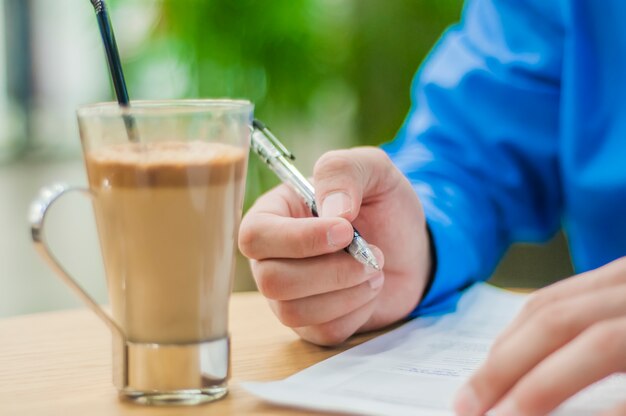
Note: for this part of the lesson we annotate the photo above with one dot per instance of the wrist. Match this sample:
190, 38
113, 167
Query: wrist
431, 271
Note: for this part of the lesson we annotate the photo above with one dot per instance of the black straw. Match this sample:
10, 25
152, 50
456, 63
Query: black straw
115, 64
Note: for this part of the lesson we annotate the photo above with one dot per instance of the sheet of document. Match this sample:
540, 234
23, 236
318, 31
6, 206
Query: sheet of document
417, 368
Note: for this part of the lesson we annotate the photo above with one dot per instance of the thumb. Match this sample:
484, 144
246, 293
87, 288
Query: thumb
343, 178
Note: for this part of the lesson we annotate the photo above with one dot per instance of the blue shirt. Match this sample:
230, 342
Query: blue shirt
518, 127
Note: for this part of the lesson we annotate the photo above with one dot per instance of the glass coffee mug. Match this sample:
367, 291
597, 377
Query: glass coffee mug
167, 180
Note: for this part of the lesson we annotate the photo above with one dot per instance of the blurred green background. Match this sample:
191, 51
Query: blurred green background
323, 74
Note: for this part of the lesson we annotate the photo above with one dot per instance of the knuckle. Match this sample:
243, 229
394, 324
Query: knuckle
288, 313
534, 303
337, 277
301, 244
604, 339
331, 163
331, 334
267, 279
380, 155
345, 276
556, 320
247, 237
312, 242
381, 158
297, 245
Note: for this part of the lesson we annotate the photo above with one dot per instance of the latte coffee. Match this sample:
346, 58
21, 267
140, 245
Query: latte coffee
167, 215
166, 179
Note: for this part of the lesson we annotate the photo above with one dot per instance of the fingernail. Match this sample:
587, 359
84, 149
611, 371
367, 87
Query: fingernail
466, 402
335, 235
507, 408
336, 204
377, 281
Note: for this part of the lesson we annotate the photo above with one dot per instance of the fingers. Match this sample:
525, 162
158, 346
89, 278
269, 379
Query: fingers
545, 331
279, 225
326, 307
288, 279
297, 261
343, 177
266, 235
337, 331
594, 355
609, 275
323, 298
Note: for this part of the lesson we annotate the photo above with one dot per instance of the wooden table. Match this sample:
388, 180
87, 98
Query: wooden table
59, 363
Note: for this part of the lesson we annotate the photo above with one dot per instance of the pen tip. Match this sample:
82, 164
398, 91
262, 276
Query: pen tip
373, 264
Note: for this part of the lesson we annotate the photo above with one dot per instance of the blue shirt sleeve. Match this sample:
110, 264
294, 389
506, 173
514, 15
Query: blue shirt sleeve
479, 144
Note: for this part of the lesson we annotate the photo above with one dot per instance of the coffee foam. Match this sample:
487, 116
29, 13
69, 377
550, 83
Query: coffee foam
165, 164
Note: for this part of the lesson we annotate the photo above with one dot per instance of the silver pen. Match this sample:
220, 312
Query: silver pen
278, 158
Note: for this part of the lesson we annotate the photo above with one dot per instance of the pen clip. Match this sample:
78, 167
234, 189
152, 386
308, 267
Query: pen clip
273, 139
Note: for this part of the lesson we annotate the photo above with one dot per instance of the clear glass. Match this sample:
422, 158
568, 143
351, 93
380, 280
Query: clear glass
167, 181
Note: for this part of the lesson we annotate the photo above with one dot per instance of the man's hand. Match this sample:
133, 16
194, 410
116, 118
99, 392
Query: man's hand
568, 336
298, 261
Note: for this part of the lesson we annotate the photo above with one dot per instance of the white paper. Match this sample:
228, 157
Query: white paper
419, 366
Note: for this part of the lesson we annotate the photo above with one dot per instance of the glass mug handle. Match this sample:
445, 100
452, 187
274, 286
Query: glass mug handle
37, 216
